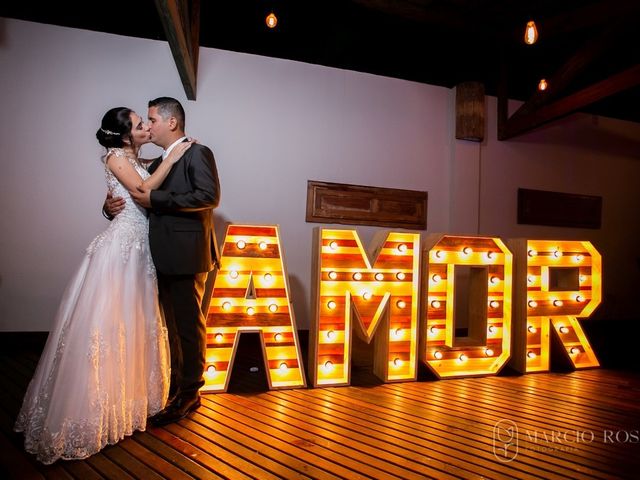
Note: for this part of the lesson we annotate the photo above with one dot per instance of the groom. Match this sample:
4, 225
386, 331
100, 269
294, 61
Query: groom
184, 250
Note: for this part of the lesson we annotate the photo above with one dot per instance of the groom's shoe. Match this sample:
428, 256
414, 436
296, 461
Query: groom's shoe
181, 406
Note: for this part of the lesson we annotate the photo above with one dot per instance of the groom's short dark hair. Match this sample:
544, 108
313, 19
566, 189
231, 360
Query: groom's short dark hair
169, 107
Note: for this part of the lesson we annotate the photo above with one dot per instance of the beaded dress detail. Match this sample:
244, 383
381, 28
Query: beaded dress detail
105, 366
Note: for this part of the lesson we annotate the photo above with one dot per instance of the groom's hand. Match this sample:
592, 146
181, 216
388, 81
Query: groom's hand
112, 206
142, 197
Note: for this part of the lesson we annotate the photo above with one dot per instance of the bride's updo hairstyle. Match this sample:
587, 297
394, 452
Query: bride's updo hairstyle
115, 128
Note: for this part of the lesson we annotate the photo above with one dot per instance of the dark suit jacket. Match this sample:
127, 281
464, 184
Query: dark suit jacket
181, 230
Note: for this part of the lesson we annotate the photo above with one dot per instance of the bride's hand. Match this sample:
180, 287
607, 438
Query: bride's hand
178, 151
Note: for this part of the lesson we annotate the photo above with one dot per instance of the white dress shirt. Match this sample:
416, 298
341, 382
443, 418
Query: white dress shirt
168, 150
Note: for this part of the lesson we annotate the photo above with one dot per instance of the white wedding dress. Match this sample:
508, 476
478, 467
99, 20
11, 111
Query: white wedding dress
105, 366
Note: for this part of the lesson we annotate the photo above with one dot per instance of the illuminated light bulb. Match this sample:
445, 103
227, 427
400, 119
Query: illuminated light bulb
283, 367
331, 334
379, 276
557, 253
494, 280
397, 362
268, 278
402, 248
436, 278
433, 330
557, 303
542, 85
532, 303
331, 305
357, 276
578, 258
333, 245
532, 252
563, 329
531, 278
251, 311
438, 254
574, 350
488, 352
328, 365
467, 250
579, 298
531, 354
463, 357
435, 304
241, 244
333, 275
491, 329
226, 306
397, 333
400, 275
494, 304
490, 255
219, 337
366, 295
211, 369
233, 274
273, 308
437, 355
278, 337
530, 33
271, 20
262, 245
532, 329
401, 304
582, 278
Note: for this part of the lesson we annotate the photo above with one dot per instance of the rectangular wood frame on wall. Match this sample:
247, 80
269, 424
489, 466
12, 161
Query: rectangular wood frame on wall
363, 205
556, 209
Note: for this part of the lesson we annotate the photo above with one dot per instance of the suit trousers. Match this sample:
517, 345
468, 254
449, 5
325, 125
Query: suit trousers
181, 302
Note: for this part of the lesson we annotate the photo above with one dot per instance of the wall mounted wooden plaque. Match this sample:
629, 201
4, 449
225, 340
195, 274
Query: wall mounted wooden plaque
538, 207
362, 205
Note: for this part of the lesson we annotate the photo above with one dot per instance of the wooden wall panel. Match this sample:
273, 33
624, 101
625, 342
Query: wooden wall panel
363, 205
538, 207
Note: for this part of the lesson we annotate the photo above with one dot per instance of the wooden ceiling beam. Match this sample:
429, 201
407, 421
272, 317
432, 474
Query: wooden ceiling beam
535, 111
571, 103
582, 17
181, 22
593, 50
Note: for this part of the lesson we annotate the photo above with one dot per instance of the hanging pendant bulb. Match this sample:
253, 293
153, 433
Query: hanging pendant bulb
530, 33
542, 85
271, 20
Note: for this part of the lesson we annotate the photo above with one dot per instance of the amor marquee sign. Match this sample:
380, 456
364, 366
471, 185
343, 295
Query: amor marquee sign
401, 295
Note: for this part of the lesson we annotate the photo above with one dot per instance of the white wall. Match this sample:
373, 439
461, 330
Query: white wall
274, 124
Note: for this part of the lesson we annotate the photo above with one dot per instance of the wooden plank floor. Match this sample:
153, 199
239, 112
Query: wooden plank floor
582, 424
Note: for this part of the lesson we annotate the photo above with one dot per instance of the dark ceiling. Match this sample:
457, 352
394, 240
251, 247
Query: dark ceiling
439, 42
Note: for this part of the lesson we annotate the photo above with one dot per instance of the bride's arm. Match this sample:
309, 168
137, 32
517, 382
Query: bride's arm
146, 161
132, 181
158, 176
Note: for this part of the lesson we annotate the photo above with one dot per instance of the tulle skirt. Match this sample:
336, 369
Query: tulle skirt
105, 366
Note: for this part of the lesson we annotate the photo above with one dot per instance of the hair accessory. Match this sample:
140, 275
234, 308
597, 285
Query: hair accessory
108, 132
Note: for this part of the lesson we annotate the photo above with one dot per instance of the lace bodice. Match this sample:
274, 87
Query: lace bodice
132, 211
130, 225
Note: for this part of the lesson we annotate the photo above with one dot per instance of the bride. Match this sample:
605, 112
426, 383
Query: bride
105, 366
